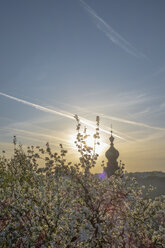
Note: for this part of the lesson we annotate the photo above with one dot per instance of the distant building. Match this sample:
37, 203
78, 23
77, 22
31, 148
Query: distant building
112, 155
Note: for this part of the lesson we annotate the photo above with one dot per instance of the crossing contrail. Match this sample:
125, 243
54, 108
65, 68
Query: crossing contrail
111, 33
60, 113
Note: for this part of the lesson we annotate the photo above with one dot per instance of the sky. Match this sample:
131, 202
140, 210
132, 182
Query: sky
93, 57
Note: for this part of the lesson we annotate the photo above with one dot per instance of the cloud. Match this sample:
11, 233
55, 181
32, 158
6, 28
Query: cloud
37, 134
60, 113
121, 104
112, 34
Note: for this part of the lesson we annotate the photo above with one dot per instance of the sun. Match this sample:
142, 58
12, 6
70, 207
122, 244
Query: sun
90, 142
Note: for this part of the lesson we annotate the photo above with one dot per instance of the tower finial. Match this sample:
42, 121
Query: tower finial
111, 137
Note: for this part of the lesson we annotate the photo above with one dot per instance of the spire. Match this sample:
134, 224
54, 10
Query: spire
111, 137
112, 155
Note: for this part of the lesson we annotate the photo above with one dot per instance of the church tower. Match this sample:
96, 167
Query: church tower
112, 155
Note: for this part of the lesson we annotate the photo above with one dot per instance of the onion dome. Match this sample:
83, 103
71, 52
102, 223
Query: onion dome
112, 153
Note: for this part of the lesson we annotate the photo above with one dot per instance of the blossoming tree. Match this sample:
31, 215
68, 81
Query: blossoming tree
64, 205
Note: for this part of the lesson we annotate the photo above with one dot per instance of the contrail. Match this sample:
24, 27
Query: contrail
140, 124
52, 111
89, 124
36, 106
112, 35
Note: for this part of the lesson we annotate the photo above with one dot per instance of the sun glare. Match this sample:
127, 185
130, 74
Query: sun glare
90, 142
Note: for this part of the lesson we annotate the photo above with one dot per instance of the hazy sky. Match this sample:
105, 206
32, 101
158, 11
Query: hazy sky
93, 57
